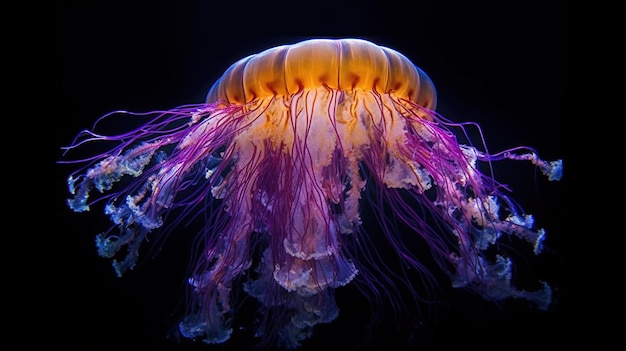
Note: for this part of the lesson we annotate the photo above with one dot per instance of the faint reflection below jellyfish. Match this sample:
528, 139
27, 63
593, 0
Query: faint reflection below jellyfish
277, 160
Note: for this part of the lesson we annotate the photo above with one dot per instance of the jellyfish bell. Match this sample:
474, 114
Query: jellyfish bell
345, 65
289, 146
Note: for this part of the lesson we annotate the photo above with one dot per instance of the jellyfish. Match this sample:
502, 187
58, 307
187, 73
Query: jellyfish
278, 163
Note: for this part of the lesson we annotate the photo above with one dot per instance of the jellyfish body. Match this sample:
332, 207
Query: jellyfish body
277, 160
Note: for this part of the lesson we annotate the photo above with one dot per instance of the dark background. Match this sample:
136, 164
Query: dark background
502, 66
